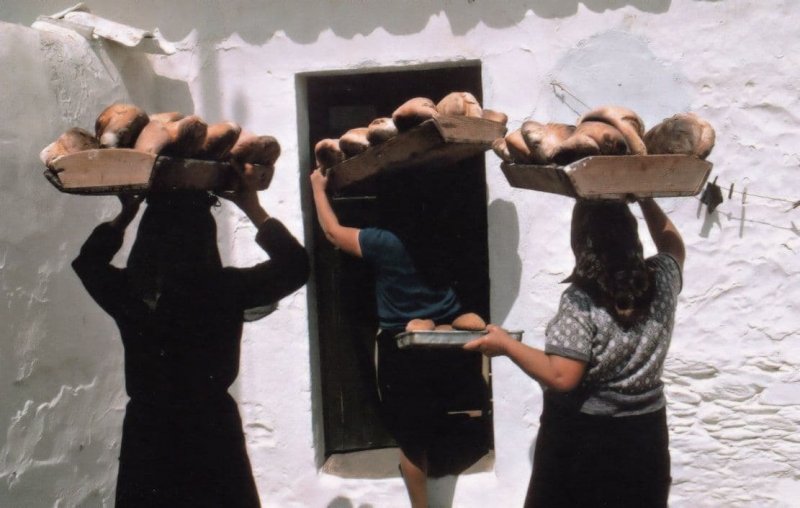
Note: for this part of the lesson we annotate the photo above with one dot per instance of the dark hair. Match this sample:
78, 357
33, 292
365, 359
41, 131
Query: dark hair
176, 241
609, 260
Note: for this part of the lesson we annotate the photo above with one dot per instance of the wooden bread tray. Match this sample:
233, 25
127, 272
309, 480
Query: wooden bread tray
615, 176
122, 170
438, 339
439, 141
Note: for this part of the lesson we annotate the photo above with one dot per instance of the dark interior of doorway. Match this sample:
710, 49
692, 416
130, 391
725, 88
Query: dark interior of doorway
344, 287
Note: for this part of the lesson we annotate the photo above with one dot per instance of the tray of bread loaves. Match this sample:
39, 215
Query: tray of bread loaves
132, 152
419, 133
608, 155
466, 327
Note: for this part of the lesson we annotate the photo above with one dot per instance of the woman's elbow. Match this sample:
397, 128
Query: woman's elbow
563, 383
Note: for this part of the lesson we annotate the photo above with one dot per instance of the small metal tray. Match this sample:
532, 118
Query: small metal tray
615, 176
441, 338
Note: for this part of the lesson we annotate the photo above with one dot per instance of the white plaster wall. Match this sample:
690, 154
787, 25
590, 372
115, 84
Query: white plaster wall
731, 376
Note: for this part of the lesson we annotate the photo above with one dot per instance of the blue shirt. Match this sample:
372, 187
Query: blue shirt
400, 292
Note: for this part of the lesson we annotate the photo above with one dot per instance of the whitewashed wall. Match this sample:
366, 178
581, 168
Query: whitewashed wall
732, 379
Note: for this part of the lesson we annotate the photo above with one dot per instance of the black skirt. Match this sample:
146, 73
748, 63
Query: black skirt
593, 461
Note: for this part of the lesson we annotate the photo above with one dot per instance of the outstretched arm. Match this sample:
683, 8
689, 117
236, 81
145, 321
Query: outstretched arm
342, 237
556, 372
664, 233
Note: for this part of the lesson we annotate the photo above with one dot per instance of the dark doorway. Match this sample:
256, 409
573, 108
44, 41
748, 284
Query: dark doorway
344, 286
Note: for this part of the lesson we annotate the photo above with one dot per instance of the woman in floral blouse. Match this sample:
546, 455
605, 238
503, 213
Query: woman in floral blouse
603, 439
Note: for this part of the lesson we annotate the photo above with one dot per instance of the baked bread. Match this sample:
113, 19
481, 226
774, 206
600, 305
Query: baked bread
119, 125
354, 141
328, 153
420, 325
182, 138
253, 149
169, 116
413, 112
591, 138
544, 140
459, 104
500, 148
220, 139
74, 140
381, 130
518, 149
626, 121
469, 321
494, 116
684, 133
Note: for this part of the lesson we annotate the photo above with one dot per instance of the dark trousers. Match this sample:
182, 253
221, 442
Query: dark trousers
600, 461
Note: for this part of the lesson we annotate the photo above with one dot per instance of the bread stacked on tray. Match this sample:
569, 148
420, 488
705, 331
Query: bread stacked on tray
330, 152
176, 135
608, 130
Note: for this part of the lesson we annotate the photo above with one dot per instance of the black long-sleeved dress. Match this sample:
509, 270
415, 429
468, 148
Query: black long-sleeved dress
182, 442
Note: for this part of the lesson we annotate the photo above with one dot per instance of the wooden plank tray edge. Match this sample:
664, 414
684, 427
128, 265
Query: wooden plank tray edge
575, 180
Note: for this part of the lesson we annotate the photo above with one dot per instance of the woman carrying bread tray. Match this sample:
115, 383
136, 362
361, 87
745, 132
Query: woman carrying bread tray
180, 316
411, 283
603, 439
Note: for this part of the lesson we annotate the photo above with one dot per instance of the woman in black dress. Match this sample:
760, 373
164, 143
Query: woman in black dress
180, 315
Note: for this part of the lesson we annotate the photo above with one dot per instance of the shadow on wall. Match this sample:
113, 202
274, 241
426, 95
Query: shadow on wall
304, 20
504, 258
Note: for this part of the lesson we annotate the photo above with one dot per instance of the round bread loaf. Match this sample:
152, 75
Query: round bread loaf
459, 104
469, 321
684, 133
220, 139
544, 140
169, 116
420, 325
444, 328
626, 121
500, 148
74, 140
182, 138
328, 153
413, 112
518, 149
250, 148
354, 141
494, 116
119, 125
381, 130
590, 138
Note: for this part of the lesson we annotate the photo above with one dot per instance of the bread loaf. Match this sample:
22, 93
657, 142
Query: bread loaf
591, 138
494, 116
250, 148
684, 133
459, 104
354, 141
444, 328
518, 149
500, 148
328, 153
469, 321
544, 140
74, 140
413, 112
626, 121
119, 125
169, 116
220, 139
420, 325
381, 130
182, 138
